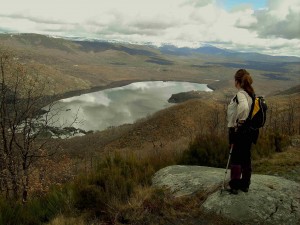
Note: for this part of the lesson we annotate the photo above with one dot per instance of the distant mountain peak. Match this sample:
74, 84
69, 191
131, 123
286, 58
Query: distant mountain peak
202, 48
209, 49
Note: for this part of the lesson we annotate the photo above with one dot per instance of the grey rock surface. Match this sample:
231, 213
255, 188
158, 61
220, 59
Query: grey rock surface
270, 200
186, 180
295, 141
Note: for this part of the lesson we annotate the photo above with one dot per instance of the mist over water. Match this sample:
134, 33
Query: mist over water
116, 106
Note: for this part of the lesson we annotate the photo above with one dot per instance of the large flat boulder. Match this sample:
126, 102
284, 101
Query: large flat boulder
270, 200
186, 180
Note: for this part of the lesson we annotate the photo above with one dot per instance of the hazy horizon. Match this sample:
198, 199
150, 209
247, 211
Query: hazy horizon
268, 27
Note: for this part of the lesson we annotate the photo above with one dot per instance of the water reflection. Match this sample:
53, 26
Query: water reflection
116, 106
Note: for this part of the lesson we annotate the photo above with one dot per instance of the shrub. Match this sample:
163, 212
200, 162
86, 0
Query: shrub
112, 183
269, 143
207, 150
36, 211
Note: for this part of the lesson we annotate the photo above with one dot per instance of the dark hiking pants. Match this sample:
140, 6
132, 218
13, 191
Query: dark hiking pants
241, 168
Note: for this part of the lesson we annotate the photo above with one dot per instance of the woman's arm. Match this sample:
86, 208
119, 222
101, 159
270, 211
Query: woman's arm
242, 107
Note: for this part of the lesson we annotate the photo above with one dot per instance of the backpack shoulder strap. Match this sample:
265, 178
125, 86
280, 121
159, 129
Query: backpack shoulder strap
235, 99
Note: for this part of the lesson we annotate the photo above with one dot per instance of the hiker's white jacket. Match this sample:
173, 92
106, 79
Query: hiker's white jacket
238, 110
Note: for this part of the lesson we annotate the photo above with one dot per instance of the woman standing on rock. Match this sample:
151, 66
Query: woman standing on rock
240, 139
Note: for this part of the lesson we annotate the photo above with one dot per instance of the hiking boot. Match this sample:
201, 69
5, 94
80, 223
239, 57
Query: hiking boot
244, 189
233, 191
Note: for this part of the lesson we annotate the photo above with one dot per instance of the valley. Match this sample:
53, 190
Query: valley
105, 176
76, 67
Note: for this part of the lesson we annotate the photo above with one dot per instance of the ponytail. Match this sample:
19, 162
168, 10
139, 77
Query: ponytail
245, 80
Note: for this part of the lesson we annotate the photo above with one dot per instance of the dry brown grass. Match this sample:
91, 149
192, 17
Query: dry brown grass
149, 206
159, 207
285, 164
63, 220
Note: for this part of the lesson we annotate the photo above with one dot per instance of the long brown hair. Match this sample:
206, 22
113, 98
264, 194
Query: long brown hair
245, 80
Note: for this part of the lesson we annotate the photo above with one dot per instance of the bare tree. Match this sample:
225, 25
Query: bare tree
291, 111
214, 120
22, 123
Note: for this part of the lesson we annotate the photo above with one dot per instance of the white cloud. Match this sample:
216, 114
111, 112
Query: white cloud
181, 22
280, 9
281, 19
245, 18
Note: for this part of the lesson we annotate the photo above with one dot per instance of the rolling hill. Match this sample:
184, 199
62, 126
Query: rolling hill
86, 65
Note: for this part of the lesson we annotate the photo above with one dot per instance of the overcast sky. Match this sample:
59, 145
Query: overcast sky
265, 26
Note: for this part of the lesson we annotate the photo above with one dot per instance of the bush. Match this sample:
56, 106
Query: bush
268, 144
213, 150
36, 211
207, 150
98, 193
112, 183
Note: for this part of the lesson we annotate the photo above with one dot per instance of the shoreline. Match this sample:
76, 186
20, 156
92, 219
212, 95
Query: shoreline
115, 84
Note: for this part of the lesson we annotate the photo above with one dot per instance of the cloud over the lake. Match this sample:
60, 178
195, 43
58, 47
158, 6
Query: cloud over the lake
273, 29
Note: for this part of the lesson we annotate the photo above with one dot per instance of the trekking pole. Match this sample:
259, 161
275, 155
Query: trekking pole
223, 187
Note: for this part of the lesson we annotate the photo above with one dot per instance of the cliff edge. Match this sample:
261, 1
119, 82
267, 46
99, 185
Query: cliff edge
270, 200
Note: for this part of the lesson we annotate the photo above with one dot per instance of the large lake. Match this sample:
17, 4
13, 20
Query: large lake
126, 104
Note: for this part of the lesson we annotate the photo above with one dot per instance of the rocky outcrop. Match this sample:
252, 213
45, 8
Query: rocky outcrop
270, 200
185, 96
186, 180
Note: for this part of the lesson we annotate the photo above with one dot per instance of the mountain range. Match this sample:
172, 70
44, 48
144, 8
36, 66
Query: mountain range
77, 65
